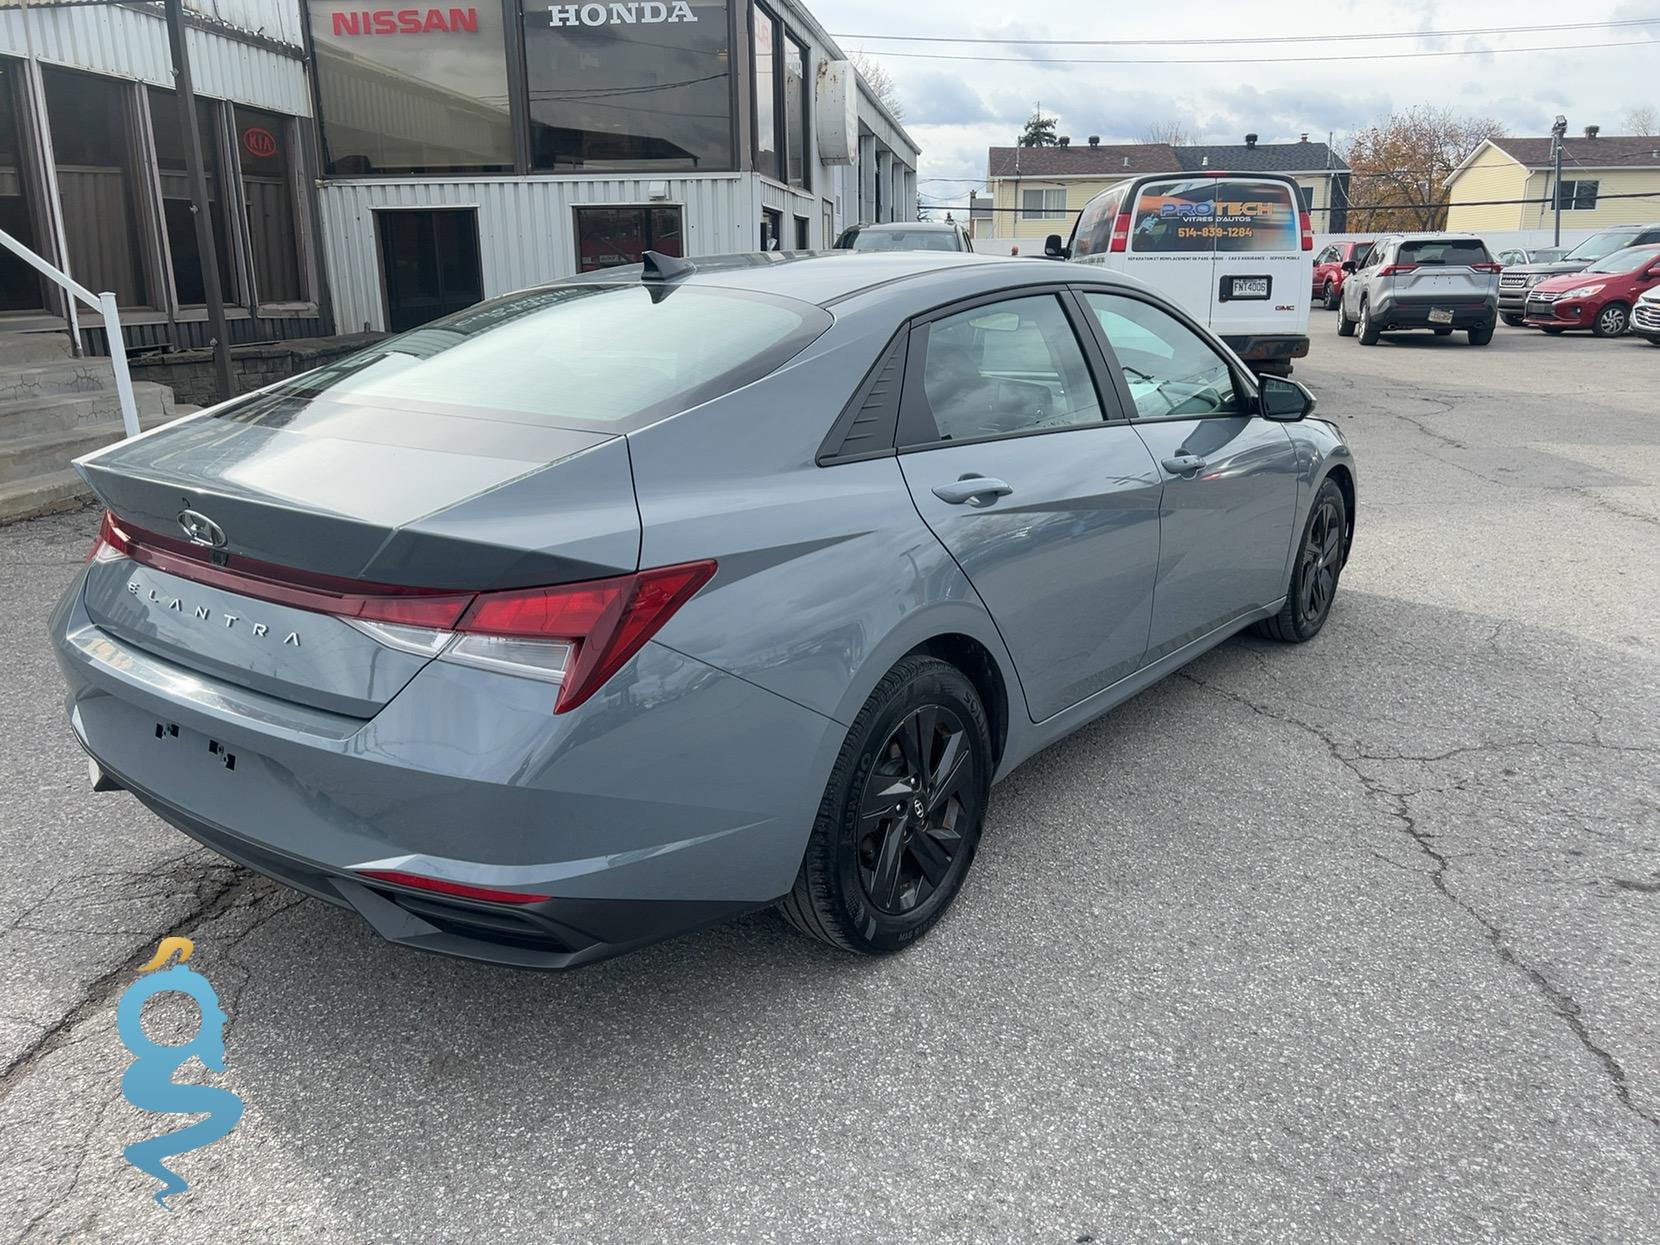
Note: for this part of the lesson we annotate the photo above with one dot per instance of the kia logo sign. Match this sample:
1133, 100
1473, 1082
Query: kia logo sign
259, 141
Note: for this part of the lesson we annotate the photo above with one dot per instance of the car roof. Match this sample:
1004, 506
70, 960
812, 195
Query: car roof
907, 225
825, 277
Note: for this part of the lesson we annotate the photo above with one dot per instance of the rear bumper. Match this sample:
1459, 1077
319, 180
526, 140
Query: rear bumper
1397, 314
1257, 347
634, 817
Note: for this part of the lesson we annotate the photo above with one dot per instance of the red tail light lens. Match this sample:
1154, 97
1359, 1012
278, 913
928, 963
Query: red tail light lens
1487, 267
603, 622
1389, 270
110, 543
1307, 227
443, 886
1120, 233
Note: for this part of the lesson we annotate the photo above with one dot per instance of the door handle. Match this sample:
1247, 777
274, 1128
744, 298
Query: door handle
974, 490
1181, 464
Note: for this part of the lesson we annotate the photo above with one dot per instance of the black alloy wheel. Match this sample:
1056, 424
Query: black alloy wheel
914, 800
1331, 297
1320, 558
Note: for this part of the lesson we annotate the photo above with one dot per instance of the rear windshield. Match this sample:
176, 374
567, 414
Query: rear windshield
1215, 214
903, 240
1628, 260
583, 355
1606, 243
1449, 251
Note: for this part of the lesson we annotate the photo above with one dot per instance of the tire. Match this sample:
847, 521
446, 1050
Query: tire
864, 885
1550, 332
1369, 331
1314, 578
1345, 326
1482, 334
1332, 297
1513, 321
1653, 341
1612, 321
1443, 331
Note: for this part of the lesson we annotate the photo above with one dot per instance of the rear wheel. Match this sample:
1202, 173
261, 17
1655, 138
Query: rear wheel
1369, 330
900, 820
1481, 334
1314, 578
1513, 321
1332, 297
1612, 320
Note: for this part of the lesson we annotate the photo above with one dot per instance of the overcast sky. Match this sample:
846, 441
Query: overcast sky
957, 108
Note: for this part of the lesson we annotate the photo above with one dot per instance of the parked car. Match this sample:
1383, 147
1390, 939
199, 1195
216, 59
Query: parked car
1328, 269
1437, 281
1645, 317
1515, 283
911, 235
533, 646
1540, 255
1600, 298
1231, 249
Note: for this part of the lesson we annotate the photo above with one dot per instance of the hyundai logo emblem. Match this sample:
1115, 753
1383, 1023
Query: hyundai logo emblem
201, 529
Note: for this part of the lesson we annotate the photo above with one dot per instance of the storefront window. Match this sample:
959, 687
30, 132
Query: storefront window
412, 90
610, 236
795, 112
764, 39
263, 140
88, 117
20, 288
639, 85
175, 195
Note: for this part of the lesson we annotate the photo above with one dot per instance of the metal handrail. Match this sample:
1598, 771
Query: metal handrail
104, 303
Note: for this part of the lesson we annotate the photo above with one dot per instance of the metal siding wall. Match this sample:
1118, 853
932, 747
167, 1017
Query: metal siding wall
526, 232
132, 44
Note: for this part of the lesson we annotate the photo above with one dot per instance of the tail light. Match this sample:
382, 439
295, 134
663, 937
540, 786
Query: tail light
1389, 270
443, 886
1307, 227
1120, 233
1486, 267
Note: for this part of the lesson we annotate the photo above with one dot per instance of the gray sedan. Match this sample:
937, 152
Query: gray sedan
601, 611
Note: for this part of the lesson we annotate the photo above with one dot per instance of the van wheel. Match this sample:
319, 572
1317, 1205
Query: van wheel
1369, 330
1611, 320
1345, 326
1332, 298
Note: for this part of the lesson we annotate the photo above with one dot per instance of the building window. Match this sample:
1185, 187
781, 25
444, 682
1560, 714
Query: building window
263, 146
1043, 204
1580, 196
772, 229
795, 114
92, 145
412, 90
629, 86
764, 41
803, 234
177, 217
609, 236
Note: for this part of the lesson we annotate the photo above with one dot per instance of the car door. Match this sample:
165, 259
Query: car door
1034, 480
1230, 476
1355, 286
1325, 266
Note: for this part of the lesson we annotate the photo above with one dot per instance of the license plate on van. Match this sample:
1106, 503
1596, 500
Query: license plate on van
1440, 315
1247, 287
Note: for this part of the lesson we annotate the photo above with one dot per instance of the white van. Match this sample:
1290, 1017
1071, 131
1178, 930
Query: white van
1235, 250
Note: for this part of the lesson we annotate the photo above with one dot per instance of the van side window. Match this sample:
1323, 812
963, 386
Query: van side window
1171, 371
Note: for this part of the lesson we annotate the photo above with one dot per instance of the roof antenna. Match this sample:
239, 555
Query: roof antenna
656, 266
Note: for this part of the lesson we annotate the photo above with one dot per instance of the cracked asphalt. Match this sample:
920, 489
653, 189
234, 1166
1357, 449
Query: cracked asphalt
1351, 941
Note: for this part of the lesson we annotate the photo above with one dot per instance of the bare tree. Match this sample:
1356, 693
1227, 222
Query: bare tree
1171, 130
1399, 168
880, 82
1644, 120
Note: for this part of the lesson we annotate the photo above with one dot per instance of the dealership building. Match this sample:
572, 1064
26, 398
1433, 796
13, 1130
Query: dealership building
374, 167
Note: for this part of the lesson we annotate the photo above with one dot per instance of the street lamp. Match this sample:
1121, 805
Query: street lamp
1558, 131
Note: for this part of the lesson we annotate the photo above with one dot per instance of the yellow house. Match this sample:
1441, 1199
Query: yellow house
1596, 171
1037, 191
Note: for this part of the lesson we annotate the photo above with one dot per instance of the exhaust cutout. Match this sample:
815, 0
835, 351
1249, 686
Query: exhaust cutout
100, 780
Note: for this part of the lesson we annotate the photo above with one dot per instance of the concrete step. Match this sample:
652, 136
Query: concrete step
40, 380
65, 412
34, 347
44, 452
43, 494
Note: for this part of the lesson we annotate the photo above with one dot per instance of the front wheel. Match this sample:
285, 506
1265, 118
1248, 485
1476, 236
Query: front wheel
1612, 320
1514, 322
900, 820
1345, 326
1369, 330
1320, 559
1550, 332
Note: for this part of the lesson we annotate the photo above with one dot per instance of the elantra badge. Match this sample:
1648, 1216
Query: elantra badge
201, 529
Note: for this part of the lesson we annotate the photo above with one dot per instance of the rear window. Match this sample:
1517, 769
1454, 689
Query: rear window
1451, 251
582, 355
1215, 214
903, 240
1093, 233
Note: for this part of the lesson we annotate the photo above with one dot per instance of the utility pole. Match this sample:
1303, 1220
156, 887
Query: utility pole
191, 128
1558, 132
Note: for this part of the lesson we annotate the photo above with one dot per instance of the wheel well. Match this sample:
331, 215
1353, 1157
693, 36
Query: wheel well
1340, 476
980, 667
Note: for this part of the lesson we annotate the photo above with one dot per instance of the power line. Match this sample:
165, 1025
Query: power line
1384, 34
1336, 207
1234, 60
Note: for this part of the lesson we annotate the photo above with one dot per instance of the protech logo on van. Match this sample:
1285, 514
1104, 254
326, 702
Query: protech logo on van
1206, 210
649, 13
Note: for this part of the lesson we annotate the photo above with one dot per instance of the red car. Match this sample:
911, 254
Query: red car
1599, 298
1328, 269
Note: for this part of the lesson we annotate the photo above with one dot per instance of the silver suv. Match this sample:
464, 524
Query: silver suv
1437, 281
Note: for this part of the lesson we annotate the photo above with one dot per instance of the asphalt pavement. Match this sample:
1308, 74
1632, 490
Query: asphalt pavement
1348, 941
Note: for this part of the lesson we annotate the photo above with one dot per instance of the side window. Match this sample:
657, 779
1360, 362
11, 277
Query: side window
1001, 368
1171, 371
1327, 256
1093, 235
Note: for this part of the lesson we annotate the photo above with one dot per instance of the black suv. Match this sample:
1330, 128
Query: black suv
1514, 283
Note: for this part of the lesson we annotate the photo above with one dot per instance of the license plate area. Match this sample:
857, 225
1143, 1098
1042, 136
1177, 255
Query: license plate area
1440, 315
1246, 289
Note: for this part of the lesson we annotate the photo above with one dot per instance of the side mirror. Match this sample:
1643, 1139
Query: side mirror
1053, 247
1348, 265
1283, 400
